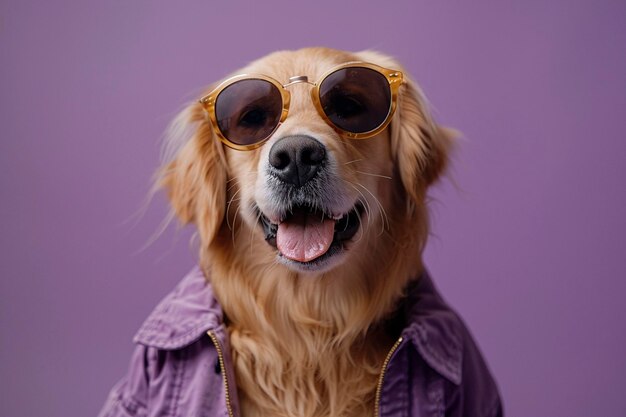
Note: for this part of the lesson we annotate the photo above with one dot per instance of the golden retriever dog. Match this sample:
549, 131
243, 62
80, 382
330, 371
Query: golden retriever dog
309, 230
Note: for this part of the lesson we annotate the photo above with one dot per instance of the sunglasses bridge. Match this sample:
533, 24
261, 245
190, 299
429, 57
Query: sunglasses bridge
298, 79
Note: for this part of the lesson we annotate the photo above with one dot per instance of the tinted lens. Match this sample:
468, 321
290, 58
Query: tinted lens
248, 111
356, 99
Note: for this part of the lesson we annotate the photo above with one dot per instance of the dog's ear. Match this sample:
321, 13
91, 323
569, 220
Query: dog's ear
194, 173
419, 146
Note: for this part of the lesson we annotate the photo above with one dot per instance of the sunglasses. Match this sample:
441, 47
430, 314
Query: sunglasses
357, 99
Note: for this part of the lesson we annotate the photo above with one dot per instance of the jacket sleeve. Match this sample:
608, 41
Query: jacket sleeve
129, 396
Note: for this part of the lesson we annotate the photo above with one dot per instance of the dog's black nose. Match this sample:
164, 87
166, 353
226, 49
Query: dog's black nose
296, 159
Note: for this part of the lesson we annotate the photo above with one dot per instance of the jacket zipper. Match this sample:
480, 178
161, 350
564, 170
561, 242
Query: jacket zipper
381, 378
220, 358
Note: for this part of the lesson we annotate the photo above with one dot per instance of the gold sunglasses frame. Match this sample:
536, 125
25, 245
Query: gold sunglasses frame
394, 78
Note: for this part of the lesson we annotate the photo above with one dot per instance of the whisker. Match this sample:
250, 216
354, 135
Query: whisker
238, 177
233, 185
256, 223
366, 204
232, 234
228, 210
375, 175
385, 222
353, 161
358, 216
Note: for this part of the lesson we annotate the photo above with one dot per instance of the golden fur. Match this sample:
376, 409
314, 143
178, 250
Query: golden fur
309, 344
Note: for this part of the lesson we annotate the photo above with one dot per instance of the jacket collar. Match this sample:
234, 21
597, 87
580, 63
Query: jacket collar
188, 312
435, 330
183, 316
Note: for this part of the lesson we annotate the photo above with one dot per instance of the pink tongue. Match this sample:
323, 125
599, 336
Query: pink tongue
305, 237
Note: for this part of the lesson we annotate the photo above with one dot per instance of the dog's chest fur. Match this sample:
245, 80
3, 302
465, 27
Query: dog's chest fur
308, 379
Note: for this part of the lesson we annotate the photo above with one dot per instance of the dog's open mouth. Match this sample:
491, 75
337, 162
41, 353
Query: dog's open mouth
307, 235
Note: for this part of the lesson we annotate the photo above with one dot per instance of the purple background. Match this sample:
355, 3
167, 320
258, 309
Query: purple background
529, 235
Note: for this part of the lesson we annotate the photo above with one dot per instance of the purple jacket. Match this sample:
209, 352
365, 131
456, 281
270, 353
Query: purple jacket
181, 366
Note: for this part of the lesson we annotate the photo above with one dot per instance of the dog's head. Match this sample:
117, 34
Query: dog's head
309, 200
